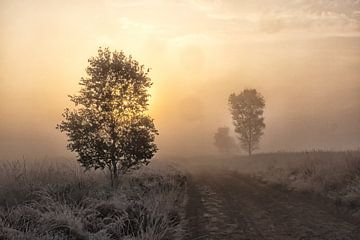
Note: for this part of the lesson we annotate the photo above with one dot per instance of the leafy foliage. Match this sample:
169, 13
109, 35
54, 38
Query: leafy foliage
109, 127
247, 113
224, 142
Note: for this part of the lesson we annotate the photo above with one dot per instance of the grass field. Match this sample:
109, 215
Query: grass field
335, 175
44, 200
57, 200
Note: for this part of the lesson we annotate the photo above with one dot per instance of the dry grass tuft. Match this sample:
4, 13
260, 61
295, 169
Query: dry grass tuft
60, 201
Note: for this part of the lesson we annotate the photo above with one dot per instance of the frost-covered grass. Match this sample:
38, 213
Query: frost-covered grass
335, 175
59, 201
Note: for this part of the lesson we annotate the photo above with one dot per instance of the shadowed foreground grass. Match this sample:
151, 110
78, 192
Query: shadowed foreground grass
59, 201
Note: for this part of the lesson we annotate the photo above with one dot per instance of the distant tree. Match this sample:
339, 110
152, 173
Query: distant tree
108, 127
224, 142
247, 110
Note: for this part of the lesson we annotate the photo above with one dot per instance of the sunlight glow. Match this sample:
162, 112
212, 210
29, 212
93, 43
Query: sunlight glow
297, 53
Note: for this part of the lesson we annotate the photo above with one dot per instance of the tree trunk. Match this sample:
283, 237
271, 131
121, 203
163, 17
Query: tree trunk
250, 140
111, 177
114, 173
113, 157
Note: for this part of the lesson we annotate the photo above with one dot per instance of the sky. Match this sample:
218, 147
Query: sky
302, 55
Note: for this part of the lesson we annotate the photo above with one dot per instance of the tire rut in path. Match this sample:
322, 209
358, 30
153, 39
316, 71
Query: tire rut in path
226, 205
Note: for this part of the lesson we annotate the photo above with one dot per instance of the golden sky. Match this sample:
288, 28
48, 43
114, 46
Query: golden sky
302, 55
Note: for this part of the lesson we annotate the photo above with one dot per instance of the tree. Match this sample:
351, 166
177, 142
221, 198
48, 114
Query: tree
247, 110
224, 142
108, 127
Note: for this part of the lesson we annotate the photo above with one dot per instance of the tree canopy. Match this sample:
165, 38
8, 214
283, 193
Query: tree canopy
247, 110
109, 127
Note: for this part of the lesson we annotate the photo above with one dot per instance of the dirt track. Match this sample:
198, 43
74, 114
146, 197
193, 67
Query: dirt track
226, 205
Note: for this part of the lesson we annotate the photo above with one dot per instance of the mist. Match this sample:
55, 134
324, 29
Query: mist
304, 58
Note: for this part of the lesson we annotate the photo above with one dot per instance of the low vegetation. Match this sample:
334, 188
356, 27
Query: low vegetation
59, 201
335, 175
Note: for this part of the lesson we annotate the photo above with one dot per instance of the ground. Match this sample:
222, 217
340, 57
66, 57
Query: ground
227, 205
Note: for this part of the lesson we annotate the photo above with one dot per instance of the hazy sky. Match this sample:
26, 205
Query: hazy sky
302, 55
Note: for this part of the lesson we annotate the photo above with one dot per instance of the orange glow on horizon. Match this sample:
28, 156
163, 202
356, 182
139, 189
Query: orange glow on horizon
302, 56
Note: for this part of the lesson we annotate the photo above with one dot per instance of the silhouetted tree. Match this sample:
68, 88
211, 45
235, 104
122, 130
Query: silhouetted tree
224, 142
108, 127
247, 113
